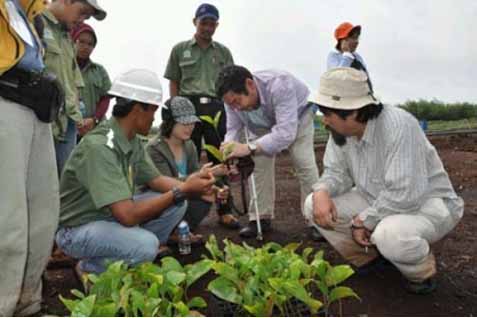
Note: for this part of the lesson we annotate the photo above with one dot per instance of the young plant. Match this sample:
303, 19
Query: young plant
211, 148
147, 290
273, 279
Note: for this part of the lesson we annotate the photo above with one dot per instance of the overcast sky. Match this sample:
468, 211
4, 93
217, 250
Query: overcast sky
413, 48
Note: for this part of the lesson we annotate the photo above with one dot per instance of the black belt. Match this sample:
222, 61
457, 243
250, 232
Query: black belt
16, 76
41, 92
202, 99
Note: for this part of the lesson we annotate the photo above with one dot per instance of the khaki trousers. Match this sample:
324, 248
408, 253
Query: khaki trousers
403, 239
303, 160
29, 206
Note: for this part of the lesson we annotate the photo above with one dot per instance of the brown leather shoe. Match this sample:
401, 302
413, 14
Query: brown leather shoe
229, 221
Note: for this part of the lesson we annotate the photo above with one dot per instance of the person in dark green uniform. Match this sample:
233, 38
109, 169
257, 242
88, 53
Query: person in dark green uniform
192, 71
60, 59
101, 218
94, 93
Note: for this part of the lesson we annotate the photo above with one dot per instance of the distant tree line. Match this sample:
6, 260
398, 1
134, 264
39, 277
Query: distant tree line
437, 110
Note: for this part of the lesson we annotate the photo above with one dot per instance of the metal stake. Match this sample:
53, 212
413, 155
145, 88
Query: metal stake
253, 199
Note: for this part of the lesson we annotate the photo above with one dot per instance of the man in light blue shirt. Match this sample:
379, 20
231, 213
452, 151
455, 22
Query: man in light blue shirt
273, 106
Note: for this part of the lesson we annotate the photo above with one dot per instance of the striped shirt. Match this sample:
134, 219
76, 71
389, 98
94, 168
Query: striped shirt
394, 167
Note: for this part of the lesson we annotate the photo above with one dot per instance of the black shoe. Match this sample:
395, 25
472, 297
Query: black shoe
422, 288
251, 229
315, 235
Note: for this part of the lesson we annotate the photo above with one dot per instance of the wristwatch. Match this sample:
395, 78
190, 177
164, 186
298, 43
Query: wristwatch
253, 148
178, 195
354, 226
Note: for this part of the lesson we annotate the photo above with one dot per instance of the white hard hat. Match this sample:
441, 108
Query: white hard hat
138, 85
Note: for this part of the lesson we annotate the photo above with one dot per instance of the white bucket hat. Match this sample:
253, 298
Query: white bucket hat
345, 88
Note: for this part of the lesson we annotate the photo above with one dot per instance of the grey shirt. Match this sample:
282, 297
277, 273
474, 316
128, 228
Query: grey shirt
394, 167
283, 101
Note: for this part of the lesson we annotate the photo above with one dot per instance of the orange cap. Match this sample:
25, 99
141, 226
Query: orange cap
344, 29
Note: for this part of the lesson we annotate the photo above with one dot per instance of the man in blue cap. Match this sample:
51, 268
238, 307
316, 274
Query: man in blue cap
192, 70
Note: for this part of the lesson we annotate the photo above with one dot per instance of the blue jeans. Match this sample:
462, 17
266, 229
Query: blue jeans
100, 242
64, 148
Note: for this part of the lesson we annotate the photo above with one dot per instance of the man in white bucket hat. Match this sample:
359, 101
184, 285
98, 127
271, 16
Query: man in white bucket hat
384, 193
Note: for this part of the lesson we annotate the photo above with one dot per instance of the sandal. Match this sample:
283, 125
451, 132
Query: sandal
229, 221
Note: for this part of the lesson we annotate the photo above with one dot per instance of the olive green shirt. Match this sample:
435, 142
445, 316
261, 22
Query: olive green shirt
96, 85
197, 69
60, 59
103, 169
163, 158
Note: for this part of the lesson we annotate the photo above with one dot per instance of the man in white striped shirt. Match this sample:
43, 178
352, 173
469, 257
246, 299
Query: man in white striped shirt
384, 191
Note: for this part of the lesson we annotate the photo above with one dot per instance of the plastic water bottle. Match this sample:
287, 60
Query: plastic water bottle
184, 238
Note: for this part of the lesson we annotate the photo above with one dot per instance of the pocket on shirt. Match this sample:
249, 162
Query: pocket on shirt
188, 68
375, 186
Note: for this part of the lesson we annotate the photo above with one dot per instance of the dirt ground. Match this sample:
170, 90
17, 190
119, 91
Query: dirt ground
381, 292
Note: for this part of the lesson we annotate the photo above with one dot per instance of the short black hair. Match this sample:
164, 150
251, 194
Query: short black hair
232, 79
124, 106
351, 33
168, 121
365, 113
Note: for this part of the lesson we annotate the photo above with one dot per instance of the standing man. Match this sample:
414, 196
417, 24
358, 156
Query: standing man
101, 217
273, 105
192, 70
384, 189
60, 59
96, 80
28, 183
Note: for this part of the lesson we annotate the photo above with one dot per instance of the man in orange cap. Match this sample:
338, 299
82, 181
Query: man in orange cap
344, 54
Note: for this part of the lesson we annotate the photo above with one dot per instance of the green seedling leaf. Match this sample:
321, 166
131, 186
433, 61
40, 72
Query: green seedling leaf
296, 290
217, 120
138, 303
175, 278
338, 274
69, 304
197, 270
215, 152
157, 278
207, 119
105, 310
306, 254
182, 309
171, 264
77, 293
213, 248
341, 292
224, 289
227, 271
292, 247
197, 302
258, 309
229, 148
85, 307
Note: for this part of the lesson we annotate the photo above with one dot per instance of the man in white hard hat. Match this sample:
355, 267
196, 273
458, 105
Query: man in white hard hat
101, 218
384, 193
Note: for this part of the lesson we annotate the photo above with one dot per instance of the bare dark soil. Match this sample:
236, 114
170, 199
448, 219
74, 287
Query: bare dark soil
381, 293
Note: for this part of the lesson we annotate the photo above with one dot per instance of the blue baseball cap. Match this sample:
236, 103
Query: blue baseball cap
207, 10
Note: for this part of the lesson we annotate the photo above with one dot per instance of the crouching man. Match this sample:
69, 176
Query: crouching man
101, 218
384, 191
